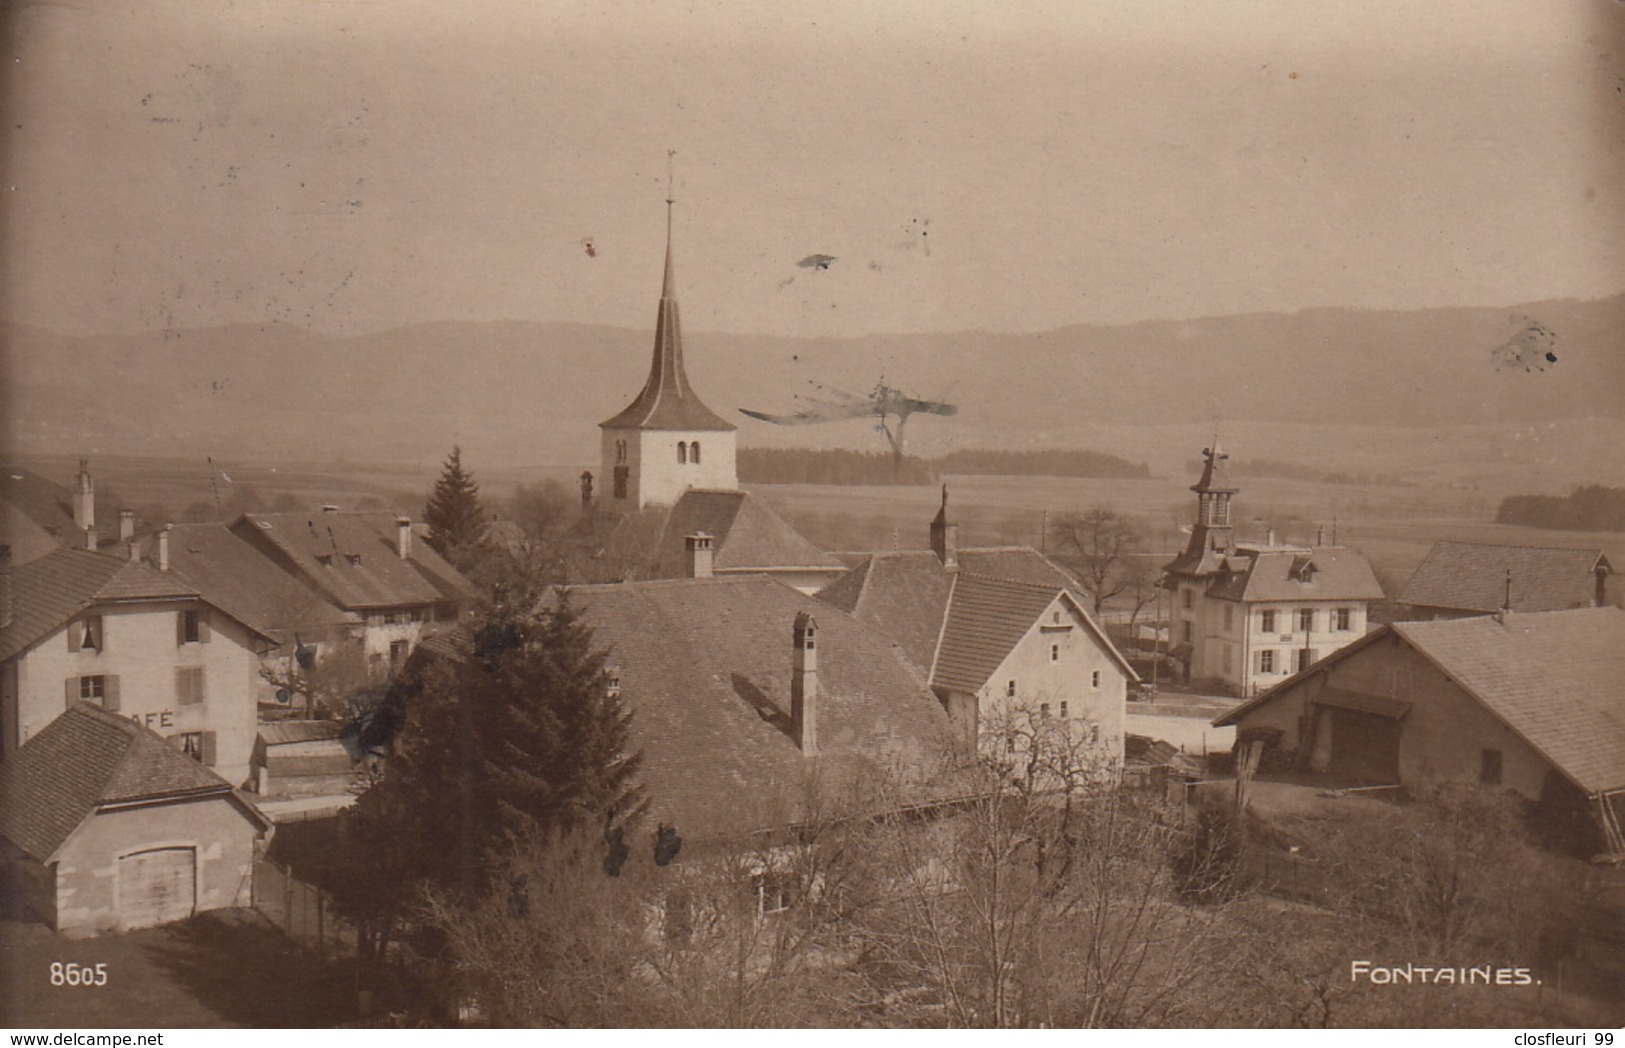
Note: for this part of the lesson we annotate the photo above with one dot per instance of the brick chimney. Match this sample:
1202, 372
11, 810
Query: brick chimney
699, 555
586, 489
84, 499
126, 525
6, 581
804, 684
403, 537
945, 536
163, 547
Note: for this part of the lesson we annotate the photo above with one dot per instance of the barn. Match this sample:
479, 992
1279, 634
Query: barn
106, 827
1528, 702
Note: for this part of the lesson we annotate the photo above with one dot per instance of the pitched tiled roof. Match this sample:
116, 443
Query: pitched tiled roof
47, 592
283, 732
237, 577
1557, 678
86, 758
986, 619
909, 595
667, 401
1315, 573
746, 536
351, 558
704, 666
1472, 576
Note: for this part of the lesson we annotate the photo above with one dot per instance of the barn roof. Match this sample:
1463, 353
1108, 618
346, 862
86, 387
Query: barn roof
704, 666
352, 559
85, 759
1473, 576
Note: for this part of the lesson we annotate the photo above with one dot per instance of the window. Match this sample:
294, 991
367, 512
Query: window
620, 451
1305, 657
1063, 709
694, 453
1228, 622
1306, 619
1489, 767
1266, 620
1055, 617
85, 634
1055, 653
1266, 661
1094, 679
188, 627
397, 651
1187, 632
1190, 598
1043, 710
101, 689
1228, 659
189, 685
1343, 617
682, 451
1094, 734
622, 474
1010, 690
198, 745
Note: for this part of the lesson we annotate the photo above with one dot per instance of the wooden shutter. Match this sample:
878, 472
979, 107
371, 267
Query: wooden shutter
110, 693
203, 625
76, 630
70, 692
209, 748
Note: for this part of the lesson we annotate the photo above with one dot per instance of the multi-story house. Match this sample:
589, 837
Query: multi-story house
134, 640
1247, 615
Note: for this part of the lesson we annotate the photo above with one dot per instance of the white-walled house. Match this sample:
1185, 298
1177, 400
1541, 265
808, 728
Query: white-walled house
992, 629
136, 641
1248, 615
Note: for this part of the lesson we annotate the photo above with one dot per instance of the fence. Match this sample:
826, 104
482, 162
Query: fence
302, 911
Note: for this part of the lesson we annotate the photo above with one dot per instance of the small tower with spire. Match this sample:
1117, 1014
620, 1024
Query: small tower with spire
666, 441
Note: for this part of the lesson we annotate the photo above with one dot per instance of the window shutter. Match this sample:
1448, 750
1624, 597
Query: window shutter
110, 693
70, 692
203, 625
208, 748
76, 630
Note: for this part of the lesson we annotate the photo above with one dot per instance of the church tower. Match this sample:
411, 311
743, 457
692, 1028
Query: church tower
666, 441
1213, 536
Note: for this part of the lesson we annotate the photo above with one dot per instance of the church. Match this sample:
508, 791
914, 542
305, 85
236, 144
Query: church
668, 452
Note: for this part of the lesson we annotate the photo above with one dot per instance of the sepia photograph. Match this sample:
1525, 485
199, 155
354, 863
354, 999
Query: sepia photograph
914, 515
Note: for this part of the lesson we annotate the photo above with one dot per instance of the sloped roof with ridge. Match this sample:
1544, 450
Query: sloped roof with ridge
1473, 576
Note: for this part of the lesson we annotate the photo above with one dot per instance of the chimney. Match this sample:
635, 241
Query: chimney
586, 489
1506, 600
804, 684
126, 525
90, 539
5, 586
84, 499
1269, 537
1320, 535
699, 555
163, 547
945, 536
135, 551
403, 537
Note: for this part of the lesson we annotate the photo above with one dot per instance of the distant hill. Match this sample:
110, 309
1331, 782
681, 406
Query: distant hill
532, 392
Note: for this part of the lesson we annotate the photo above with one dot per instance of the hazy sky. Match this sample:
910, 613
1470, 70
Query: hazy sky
353, 166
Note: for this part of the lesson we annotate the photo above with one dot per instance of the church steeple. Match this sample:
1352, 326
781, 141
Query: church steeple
667, 401
1212, 536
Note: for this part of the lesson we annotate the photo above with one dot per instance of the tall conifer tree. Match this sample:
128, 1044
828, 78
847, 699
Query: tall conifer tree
454, 514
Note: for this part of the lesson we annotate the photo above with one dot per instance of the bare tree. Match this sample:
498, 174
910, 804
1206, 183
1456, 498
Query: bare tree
1101, 547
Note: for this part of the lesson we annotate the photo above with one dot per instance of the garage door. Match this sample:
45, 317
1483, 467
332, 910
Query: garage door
1365, 746
157, 886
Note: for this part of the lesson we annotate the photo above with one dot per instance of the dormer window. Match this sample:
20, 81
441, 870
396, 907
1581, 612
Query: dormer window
325, 559
353, 558
613, 690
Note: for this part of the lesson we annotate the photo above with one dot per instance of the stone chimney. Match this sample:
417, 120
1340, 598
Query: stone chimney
6, 581
586, 490
84, 499
699, 555
403, 537
90, 539
126, 525
804, 684
945, 536
135, 551
163, 547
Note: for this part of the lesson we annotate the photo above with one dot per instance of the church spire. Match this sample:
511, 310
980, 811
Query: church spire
667, 401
